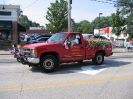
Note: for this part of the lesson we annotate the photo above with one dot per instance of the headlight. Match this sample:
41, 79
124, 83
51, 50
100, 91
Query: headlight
34, 52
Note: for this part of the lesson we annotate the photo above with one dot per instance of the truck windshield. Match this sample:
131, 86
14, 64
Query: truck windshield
58, 37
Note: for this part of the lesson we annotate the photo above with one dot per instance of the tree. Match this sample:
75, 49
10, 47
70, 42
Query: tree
126, 6
34, 24
104, 22
87, 27
117, 22
57, 16
83, 26
126, 9
24, 21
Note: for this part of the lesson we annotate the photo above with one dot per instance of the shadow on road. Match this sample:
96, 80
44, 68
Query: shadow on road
68, 67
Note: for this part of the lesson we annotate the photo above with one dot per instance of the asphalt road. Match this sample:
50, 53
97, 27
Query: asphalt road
112, 80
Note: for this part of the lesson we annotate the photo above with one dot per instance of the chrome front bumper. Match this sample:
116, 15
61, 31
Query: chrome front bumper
33, 60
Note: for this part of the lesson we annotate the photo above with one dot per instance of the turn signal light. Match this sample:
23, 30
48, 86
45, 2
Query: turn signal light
35, 52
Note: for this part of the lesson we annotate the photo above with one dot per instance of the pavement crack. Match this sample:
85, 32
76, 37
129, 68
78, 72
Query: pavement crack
21, 86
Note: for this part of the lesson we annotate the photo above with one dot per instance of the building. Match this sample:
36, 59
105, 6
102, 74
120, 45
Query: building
107, 32
35, 30
9, 24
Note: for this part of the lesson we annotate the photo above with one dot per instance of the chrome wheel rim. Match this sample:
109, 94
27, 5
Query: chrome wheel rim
99, 58
48, 64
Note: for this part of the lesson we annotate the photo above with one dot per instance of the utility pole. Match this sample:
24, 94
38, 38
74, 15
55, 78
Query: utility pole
99, 22
69, 2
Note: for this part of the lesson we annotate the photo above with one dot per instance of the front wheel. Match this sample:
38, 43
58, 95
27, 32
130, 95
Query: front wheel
48, 63
19, 60
98, 59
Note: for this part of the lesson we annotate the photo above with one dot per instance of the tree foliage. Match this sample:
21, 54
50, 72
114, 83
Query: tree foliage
117, 22
57, 16
88, 27
24, 21
104, 22
126, 8
83, 26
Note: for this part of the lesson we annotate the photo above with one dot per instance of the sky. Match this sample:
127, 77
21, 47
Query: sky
81, 9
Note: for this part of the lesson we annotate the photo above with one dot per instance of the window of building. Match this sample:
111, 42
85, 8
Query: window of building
5, 35
5, 13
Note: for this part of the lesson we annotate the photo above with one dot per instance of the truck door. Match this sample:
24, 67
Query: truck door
75, 53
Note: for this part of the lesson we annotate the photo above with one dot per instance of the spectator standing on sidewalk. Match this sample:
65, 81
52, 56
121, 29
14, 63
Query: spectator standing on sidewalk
128, 45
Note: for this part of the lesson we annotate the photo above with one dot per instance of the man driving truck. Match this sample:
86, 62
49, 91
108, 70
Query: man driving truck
73, 40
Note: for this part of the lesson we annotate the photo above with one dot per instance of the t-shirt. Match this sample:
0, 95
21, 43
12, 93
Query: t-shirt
76, 41
128, 44
26, 37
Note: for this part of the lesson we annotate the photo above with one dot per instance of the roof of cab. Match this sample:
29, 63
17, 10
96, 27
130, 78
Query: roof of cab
69, 32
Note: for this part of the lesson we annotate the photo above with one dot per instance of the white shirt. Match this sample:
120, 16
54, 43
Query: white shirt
128, 44
26, 37
75, 40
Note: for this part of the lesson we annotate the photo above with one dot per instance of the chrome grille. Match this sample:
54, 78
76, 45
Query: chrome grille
26, 52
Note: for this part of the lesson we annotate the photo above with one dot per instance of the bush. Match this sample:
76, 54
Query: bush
6, 42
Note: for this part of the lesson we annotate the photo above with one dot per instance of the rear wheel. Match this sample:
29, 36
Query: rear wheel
98, 59
80, 61
48, 63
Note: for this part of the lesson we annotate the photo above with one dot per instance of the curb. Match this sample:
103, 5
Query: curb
5, 54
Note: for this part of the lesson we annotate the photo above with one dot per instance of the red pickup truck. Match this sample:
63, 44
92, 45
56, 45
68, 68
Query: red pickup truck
52, 53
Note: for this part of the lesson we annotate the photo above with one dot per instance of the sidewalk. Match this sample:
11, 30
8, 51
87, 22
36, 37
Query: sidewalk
119, 50
5, 51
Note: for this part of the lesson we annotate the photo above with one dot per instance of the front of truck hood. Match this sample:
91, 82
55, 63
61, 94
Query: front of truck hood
39, 45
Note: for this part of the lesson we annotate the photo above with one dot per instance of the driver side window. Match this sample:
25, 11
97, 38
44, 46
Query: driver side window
74, 38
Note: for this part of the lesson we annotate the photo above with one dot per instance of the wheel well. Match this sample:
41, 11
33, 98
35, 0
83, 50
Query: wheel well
101, 51
56, 55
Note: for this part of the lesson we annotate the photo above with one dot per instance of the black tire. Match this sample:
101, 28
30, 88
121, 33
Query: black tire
23, 61
19, 60
98, 59
49, 63
80, 61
